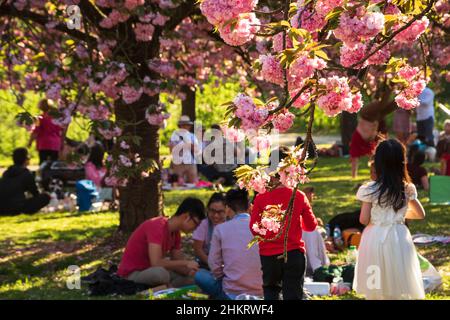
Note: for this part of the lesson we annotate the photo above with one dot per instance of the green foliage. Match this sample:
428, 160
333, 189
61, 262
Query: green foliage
14, 136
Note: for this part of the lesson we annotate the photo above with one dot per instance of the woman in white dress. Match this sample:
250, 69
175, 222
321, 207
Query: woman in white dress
387, 266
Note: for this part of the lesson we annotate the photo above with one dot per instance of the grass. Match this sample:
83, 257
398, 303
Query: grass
36, 250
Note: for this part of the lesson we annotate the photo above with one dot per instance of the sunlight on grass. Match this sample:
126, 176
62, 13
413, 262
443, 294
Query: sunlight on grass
35, 250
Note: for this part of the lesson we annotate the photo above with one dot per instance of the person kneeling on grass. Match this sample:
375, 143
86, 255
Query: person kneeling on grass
235, 269
145, 257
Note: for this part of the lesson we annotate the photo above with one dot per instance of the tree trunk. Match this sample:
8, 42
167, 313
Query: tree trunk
141, 199
188, 105
349, 121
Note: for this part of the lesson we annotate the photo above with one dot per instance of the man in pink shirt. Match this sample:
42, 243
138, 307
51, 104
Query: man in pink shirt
153, 253
234, 269
47, 134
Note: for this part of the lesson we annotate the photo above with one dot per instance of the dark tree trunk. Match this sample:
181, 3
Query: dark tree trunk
188, 105
141, 199
349, 121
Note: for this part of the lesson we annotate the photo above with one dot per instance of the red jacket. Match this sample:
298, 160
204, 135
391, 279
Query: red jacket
302, 218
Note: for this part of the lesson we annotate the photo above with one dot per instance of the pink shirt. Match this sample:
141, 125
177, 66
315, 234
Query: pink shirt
48, 134
94, 174
229, 257
155, 230
202, 234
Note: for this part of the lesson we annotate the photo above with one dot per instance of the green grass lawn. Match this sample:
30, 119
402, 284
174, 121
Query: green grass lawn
36, 250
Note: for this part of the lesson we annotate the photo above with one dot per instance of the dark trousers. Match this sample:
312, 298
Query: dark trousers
284, 277
425, 129
31, 205
45, 155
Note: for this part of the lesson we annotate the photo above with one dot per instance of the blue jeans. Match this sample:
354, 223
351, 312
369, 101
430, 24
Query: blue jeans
210, 285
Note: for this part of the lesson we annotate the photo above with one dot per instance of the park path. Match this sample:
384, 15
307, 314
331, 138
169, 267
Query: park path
289, 138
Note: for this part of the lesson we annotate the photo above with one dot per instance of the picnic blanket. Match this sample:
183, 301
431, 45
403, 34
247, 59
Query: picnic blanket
426, 239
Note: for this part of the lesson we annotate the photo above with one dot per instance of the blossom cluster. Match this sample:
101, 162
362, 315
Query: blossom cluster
236, 23
251, 115
271, 219
413, 86
337, 96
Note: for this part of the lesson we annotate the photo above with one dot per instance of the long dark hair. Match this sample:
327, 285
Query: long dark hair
392, 174
96, 155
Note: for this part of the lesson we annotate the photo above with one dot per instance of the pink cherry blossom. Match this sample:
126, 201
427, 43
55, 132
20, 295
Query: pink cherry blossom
218, 12
244, 30
271, 69
144, 31
338, 96
292, 175
413, 32
283, 121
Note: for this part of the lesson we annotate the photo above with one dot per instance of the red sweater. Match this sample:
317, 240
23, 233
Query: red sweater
302, 218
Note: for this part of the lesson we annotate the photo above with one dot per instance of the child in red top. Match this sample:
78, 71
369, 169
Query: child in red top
278, 275
47, 134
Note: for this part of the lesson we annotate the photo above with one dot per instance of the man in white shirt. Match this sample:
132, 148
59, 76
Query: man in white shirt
184, 147
425, 116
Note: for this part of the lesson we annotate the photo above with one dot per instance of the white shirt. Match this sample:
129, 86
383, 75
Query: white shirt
182, 152
426, 108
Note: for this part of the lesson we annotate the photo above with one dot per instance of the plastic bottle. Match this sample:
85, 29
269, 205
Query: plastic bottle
352, 255
337, 237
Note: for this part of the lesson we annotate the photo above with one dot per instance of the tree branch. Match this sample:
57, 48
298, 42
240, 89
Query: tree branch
389, 39
11, 11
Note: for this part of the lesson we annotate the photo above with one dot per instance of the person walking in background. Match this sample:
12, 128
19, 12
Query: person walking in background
402, 125
425, 116
371, 128
386, 251
16, 181
47, 134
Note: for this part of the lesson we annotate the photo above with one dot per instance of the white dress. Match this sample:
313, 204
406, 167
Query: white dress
387, 266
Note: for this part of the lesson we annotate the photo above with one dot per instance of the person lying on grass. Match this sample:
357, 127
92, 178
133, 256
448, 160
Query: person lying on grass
153, 253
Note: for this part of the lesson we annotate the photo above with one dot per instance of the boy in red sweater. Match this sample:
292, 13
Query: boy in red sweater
277, 275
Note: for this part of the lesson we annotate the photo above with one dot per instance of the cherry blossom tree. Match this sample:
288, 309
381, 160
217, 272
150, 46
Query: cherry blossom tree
324, 54
109, 61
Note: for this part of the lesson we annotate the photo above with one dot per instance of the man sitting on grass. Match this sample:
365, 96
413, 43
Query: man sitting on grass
235, 269
15, 183
153, 253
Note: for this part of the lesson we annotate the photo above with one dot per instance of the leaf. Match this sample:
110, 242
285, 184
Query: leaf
285, 23
335, 13
258, 102
321, 54
254, 241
